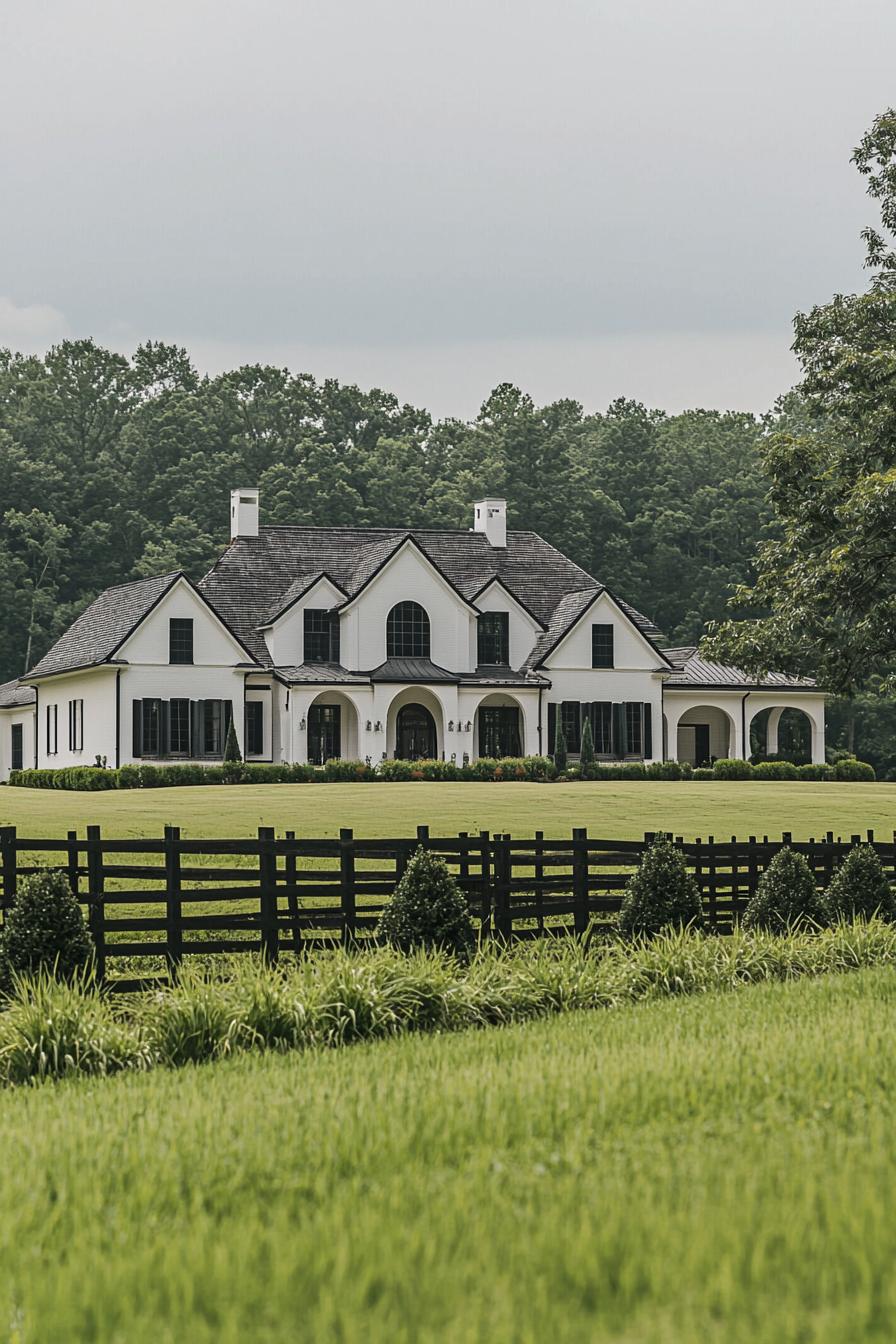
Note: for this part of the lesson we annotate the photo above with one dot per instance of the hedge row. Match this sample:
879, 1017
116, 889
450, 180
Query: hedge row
534, 769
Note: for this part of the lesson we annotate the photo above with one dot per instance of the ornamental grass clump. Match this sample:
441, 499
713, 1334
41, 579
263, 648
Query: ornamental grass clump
44, 931
428, 910
860, 888
55, 1030
662, 894
786, 896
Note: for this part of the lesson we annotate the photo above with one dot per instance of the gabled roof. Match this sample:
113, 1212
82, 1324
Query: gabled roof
294, 593
13, 695
378, 557
254, 574
99, 632
498, 582
693, 671
572, 608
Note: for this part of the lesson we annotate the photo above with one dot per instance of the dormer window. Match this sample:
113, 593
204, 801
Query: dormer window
321, 636
493, 636
407, 631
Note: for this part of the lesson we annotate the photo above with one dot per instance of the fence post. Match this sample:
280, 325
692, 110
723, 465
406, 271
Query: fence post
580, 878
347, 883
173, 912
423, 837
503, 915
485, 917
96, 898
539, 878
292, 896
72, 863
267, 878
10, 867
711, 882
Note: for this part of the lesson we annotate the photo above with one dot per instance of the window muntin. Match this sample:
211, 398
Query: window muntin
180, 640
151, 739
212, 728
493, 639
601, 715
254, 728
407, 631
179, 728
602, 646
321, 634
324, 733
499, 730
634, 728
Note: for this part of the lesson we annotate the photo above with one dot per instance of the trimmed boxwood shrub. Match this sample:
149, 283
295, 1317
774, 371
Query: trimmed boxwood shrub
849, 769
728, 768
860, 887
428, 909
815, 772
338, 771
775, 770
664, 770
703, 772
786, 896
44, 930
661, 894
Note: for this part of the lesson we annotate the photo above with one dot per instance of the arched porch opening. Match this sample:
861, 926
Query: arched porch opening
705, 733
415, 728
786, 732
331, 728
498, 728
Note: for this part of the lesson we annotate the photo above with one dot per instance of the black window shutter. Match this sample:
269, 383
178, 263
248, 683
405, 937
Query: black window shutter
137, 744
620, 744
648, 729
552, 729
164, 728
196, 724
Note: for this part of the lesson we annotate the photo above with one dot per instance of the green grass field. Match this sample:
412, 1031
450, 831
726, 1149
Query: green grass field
613, 810
715, 1168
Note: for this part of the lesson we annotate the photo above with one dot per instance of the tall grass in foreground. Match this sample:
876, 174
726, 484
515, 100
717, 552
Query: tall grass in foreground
53, 1030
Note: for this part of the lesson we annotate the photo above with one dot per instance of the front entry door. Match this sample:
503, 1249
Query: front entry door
416, 734
701, 744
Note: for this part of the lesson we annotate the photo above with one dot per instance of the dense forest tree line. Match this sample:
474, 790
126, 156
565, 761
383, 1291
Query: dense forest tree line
116, 468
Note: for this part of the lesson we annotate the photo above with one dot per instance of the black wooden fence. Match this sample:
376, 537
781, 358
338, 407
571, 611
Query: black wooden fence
171, 897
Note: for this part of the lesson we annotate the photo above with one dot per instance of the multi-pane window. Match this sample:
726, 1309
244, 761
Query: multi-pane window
494, 639
602, 646
76, 725
254, 728
634, 728
179, 727
601, 715
499, 731
212, 724
324, 733
407, 631
321, 636
180, 640
17, 747
571, 719
52, 730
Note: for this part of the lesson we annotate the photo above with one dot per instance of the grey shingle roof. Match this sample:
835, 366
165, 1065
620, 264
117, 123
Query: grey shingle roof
254, 574
97, 633
13, 694
692, 670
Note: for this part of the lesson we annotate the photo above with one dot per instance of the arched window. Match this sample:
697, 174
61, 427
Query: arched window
407, 631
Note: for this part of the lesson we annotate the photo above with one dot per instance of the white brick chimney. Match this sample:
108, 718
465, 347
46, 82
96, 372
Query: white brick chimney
243, 513
490, 517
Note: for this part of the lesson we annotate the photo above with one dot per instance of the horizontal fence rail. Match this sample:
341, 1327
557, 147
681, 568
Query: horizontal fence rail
152, 902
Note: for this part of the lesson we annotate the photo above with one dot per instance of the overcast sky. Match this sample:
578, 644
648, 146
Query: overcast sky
590, 198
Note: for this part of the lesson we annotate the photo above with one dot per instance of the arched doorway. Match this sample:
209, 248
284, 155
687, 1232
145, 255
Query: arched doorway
415, 733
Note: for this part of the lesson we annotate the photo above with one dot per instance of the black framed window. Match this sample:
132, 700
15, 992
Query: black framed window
52, 730
499, 730
602, 646
17, 747
571, 719
179, 727
601, 716
76, 725
321, 636
151, 732
324, 733
407, 631
634, 728
212, 728
493, 639
180, 640
254, 728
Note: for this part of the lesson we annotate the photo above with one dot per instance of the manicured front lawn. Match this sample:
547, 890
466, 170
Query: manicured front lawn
716, 1168
615, 810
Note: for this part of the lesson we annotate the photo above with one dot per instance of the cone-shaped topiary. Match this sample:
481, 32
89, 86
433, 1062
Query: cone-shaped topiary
786, 896
427, 909
661, 893
560, 747
860, 887
44, 930
231, 746
586, 751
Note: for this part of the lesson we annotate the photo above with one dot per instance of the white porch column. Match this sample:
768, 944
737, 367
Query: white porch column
771, 736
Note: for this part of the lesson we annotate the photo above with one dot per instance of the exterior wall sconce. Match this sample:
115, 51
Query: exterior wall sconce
469, 725
378, 728
302, 724
451, 725
368, 725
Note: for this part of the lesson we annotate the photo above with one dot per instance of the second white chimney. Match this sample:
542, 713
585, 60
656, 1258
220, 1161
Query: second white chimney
490, 517
243, 513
